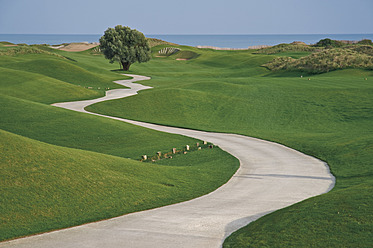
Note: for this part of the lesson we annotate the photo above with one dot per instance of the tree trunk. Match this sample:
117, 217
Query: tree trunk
126, 65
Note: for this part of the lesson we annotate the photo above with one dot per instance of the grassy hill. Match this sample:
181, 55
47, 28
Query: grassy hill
328, 116
61, 168
45, 187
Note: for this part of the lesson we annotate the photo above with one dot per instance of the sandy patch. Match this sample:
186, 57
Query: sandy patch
10, 45
78, 47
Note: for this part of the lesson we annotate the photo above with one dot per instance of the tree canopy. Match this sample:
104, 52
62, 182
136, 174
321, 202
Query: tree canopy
125, 45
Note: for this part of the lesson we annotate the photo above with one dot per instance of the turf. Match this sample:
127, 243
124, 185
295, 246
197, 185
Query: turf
40, 88
328, 116
45, 187
67, 71
61, 168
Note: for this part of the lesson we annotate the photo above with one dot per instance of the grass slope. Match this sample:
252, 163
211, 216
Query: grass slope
329, 117
61, 168
61, 69
40, 88
45, 187
70, 129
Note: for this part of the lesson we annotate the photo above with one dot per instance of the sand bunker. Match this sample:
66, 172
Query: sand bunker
78, 47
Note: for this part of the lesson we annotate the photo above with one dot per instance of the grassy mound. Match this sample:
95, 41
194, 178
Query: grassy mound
45, 187
326, 60
285, 48
45, 67
22, 50
368, 50
64, 71
2, 43
39, 88
352, 223
157, 42
186, 55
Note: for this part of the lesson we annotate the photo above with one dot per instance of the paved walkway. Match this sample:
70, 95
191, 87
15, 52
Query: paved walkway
271, 176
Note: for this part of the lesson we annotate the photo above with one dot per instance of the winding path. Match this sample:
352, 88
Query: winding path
271, 176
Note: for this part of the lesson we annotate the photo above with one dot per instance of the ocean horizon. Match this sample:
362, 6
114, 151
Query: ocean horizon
224, 40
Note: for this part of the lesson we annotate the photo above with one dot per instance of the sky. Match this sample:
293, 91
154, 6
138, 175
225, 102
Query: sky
187, 16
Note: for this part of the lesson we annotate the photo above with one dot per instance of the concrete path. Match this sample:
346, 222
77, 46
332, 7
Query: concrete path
271, 176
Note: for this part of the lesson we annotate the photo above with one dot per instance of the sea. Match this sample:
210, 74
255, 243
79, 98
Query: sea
224, 41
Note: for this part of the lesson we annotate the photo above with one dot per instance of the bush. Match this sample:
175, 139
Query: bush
328, 43
366, 42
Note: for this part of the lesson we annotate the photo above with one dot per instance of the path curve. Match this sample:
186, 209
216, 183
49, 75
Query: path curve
270, 177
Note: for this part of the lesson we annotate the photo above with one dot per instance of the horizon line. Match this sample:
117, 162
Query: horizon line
197, 34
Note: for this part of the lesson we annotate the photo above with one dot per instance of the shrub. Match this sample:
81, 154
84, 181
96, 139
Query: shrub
366, 42
328, 43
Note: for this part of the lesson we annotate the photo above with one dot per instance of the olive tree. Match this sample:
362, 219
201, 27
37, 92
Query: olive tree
125, 45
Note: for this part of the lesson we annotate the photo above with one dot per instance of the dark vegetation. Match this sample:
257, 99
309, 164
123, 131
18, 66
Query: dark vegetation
125, 45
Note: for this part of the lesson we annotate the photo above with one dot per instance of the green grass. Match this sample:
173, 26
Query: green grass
61, 168
351, 224
329, 116
187, 55
45, 187
40, 88
22, 50
61, 69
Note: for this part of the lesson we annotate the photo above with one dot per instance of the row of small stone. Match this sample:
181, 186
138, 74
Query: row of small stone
89, 87
174, 151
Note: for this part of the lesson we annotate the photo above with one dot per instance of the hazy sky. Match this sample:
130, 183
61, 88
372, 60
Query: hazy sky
187, 16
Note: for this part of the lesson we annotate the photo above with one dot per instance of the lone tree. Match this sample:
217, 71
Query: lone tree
124, 45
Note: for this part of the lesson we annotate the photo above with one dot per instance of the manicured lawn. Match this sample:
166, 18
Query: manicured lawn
61, 168
329, 116
45, 187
